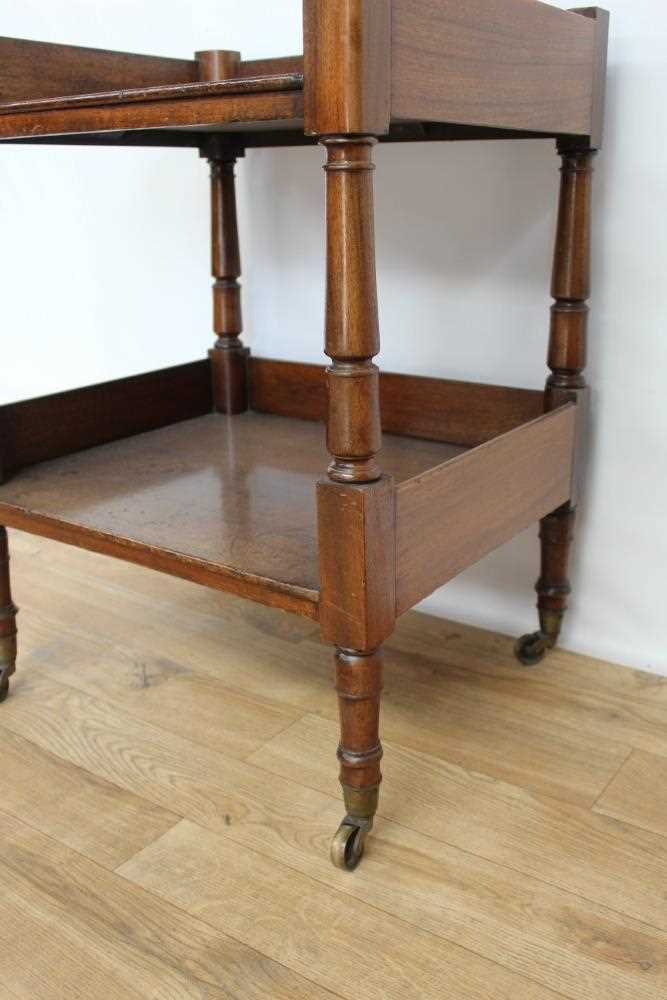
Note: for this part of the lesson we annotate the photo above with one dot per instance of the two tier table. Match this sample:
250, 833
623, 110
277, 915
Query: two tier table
216, 471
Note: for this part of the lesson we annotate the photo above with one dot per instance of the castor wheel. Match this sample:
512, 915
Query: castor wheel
347, 847
532, 648
4, 688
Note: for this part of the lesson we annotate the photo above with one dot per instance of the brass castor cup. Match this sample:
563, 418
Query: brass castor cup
347, 846
7, 652
531, 649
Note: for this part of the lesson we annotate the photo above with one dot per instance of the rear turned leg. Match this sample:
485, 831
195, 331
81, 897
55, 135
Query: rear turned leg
7, 620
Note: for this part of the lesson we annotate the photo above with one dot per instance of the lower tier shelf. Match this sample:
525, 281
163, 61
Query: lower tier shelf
225, 501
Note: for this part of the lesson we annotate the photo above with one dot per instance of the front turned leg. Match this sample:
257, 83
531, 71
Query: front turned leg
359, 685
8, 613
553, 586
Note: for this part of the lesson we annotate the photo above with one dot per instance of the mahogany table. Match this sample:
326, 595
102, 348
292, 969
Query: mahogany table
215, 471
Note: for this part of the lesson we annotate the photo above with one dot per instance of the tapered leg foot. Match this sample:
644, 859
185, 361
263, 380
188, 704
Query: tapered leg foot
553, 587
7, 649
359, 683
7, 620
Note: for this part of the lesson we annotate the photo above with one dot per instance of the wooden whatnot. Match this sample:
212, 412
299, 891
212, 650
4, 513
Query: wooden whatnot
227, 454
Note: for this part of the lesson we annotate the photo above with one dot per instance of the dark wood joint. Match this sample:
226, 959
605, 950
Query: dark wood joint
357, 544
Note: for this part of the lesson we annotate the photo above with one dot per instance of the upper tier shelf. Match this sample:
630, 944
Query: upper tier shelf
398, 69
256, 104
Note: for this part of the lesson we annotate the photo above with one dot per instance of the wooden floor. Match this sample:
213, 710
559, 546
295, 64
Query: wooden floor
168, 792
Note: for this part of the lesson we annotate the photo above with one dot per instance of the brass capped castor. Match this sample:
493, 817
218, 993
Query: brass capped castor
7, 657
347, 846
532, 648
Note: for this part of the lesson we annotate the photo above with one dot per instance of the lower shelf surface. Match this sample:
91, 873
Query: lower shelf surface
234, 493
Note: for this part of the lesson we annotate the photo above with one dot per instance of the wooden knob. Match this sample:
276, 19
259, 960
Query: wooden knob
218, 64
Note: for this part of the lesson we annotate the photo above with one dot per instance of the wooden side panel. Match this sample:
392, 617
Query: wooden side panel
41, 69
40, 429
269, 67
601, 18
288, 389
356, 531
517, 64
463, 413
451, 516
347, 48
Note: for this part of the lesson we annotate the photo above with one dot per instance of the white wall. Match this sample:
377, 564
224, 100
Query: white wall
104, 263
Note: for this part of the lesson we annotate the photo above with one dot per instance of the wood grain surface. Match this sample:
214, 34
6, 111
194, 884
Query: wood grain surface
518, 64
32, 70
451, 516
216, 109
464, 413
230, 502
35, 430
492, 873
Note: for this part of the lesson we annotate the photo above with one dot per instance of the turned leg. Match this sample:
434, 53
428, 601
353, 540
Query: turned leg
229, 358
567, 360
355, 512
8, 613
359, 684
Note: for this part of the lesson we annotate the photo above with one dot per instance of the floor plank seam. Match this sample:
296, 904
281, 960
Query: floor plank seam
75, 850
245, 758
196, 980
613, 778
333, 797
367, 905
482, 857
229, 934
124, 710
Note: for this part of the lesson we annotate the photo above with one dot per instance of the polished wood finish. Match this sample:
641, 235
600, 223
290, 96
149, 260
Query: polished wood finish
229, 358
451, 516
211, 106
359, 686
30, 70
275, 137
37, 430
553, 587
167, 92
570, 287
347, 53
515, 64
8, 612
465, 413
357, 563
218, 64
227, 503
352, 335
356, 505
601, 18
232, 503
370, 67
